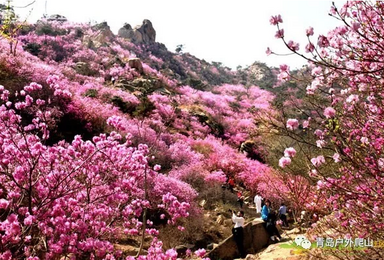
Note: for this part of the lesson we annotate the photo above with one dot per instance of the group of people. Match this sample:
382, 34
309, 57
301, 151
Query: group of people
268, 216
282, 213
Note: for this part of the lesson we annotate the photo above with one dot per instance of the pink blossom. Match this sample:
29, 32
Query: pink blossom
200, 253
171, 254
319, 160
323, 41
283, 76
320, 184
293, 46
292, 124
364, 140
352, 99
268, 51
329, 112
336, 157
279, 34
309, 31
284, 67
289, 152
320, 143
313, 173
28, 220
356, 26
381, 163
4, 203
319, 133
309, 47
276, 19
284, 161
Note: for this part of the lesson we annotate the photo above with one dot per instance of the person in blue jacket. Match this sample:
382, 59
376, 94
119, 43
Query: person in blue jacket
269, 218
265, 210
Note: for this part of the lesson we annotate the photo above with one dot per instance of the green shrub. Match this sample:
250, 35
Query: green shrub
47, 29
125, 107
33, 48
91, 93
144, 108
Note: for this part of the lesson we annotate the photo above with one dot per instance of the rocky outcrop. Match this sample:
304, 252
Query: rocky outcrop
83, 68
255, 238
56, 18
126, 32
144, 33
101, 37
135, 63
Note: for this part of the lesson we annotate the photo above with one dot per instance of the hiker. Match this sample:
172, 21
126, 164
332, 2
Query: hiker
257, 202
231, 184
238, 231
240, 199
269, 218
283, 215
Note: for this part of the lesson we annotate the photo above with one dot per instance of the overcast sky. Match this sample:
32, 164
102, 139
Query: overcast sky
235, 32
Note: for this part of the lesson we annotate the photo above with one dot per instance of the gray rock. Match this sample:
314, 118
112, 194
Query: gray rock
102, 37
126, 32
144, 33
56, 18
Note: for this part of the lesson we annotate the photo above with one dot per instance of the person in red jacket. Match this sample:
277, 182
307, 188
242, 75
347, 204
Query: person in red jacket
231, 184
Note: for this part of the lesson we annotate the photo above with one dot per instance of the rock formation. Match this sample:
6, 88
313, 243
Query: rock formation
56, 18
144, 33
102, 37
135, 63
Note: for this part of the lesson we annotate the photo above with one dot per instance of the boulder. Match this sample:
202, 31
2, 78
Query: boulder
141, 34
126, 31
147, 31
135, 63
220, 219
255, 238
102, 37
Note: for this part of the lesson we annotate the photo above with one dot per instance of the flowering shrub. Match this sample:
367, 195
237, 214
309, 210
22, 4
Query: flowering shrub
71, 199
347, 91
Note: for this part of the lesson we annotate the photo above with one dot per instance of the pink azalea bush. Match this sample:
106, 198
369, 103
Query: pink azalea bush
348, 171
72, 199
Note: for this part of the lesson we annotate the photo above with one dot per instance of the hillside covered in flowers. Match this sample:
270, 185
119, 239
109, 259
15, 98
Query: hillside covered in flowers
99, 133
108, 142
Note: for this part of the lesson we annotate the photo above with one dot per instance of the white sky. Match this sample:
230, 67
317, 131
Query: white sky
235, 32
